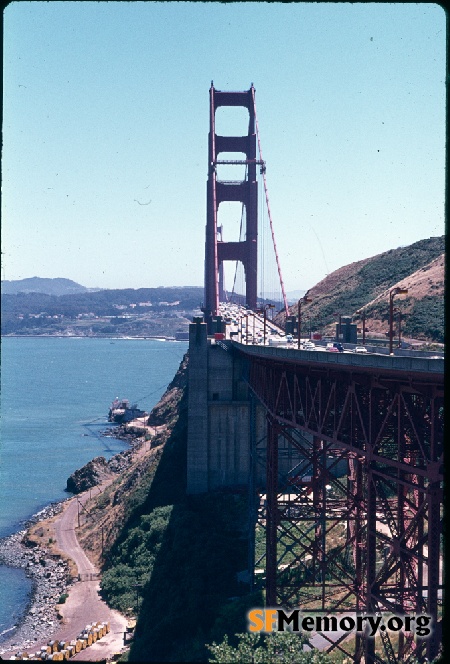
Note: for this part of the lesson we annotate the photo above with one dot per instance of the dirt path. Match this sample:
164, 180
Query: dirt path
84, 604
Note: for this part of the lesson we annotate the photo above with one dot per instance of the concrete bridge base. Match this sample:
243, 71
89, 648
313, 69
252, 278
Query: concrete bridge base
219, 432
227, 425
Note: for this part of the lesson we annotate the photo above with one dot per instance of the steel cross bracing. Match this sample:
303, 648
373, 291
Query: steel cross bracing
366, 540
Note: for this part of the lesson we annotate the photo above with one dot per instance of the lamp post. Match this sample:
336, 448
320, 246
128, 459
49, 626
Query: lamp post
266, 307
392, 293
336, 313
362, 312
399, 314
303, 300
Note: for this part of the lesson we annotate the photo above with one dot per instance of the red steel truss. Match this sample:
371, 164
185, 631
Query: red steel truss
366, 540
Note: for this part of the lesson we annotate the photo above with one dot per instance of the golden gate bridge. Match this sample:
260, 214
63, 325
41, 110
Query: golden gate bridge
364, 540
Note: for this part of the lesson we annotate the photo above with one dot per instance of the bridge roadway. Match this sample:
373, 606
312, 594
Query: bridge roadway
348, 361
250, 338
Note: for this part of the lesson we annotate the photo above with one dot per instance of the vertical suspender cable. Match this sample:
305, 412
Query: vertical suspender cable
286, 308
241, 238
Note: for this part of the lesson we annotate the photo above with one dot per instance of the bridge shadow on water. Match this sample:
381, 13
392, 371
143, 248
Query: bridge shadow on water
193, 596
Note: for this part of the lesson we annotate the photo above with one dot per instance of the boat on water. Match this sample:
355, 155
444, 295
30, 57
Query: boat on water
121, 411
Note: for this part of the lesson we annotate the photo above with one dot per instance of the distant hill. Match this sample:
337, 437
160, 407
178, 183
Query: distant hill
53, 306
41, 285
366, 284
123, 312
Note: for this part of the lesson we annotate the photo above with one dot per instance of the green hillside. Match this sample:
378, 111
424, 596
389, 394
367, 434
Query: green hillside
346, 290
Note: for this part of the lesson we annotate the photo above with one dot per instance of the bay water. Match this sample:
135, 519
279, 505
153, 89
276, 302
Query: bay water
55, 397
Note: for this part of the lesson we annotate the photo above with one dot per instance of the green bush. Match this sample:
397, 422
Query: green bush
426, 320
283, 647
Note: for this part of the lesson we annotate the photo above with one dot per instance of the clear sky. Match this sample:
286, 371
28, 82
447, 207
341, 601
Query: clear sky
106, 119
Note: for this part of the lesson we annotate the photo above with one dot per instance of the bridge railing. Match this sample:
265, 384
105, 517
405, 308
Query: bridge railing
403, 364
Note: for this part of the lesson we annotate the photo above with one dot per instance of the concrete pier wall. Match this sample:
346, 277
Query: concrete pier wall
219, 431
224, 423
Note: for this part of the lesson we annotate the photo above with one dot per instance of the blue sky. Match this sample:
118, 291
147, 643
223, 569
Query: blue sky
106, 119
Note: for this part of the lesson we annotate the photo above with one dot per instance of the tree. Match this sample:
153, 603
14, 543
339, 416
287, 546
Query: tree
274, 648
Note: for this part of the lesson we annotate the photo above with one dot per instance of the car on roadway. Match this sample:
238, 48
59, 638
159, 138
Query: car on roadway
360, 349
339, 346
332, 349
308, 345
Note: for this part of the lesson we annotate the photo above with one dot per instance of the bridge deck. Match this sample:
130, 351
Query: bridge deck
347, 361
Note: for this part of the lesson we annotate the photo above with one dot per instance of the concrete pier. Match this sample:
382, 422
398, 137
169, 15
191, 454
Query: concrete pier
227, 427
219, 435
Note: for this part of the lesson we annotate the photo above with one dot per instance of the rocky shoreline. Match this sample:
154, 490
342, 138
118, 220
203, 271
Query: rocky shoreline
99, 469
50, 578
50, 574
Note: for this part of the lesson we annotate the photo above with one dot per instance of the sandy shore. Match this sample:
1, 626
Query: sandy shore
50, 578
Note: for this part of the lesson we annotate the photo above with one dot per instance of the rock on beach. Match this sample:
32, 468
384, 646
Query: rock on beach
50, 577
99, 469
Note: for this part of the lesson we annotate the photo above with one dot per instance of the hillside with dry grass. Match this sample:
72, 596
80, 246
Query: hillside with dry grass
365, 285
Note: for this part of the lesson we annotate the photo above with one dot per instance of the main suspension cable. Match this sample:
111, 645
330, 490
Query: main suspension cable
263, 172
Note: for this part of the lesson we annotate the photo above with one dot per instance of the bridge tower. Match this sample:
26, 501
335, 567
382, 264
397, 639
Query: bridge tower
246, 191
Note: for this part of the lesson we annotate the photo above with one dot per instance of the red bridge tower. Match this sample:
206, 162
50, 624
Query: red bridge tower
246, 191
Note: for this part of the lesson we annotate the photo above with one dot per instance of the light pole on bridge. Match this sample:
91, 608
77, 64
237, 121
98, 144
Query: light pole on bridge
267, 306
336, 313
399, 314
362, 313
303, 300
392, 293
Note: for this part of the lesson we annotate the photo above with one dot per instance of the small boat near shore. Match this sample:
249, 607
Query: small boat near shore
121, 411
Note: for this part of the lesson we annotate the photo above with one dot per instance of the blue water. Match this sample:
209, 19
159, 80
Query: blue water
55, 396
15, 591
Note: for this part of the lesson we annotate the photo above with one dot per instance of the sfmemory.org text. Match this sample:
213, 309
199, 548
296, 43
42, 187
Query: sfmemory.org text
271, 620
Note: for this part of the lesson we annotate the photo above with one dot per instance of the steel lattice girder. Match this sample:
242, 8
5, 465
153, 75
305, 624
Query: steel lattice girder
389, 431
